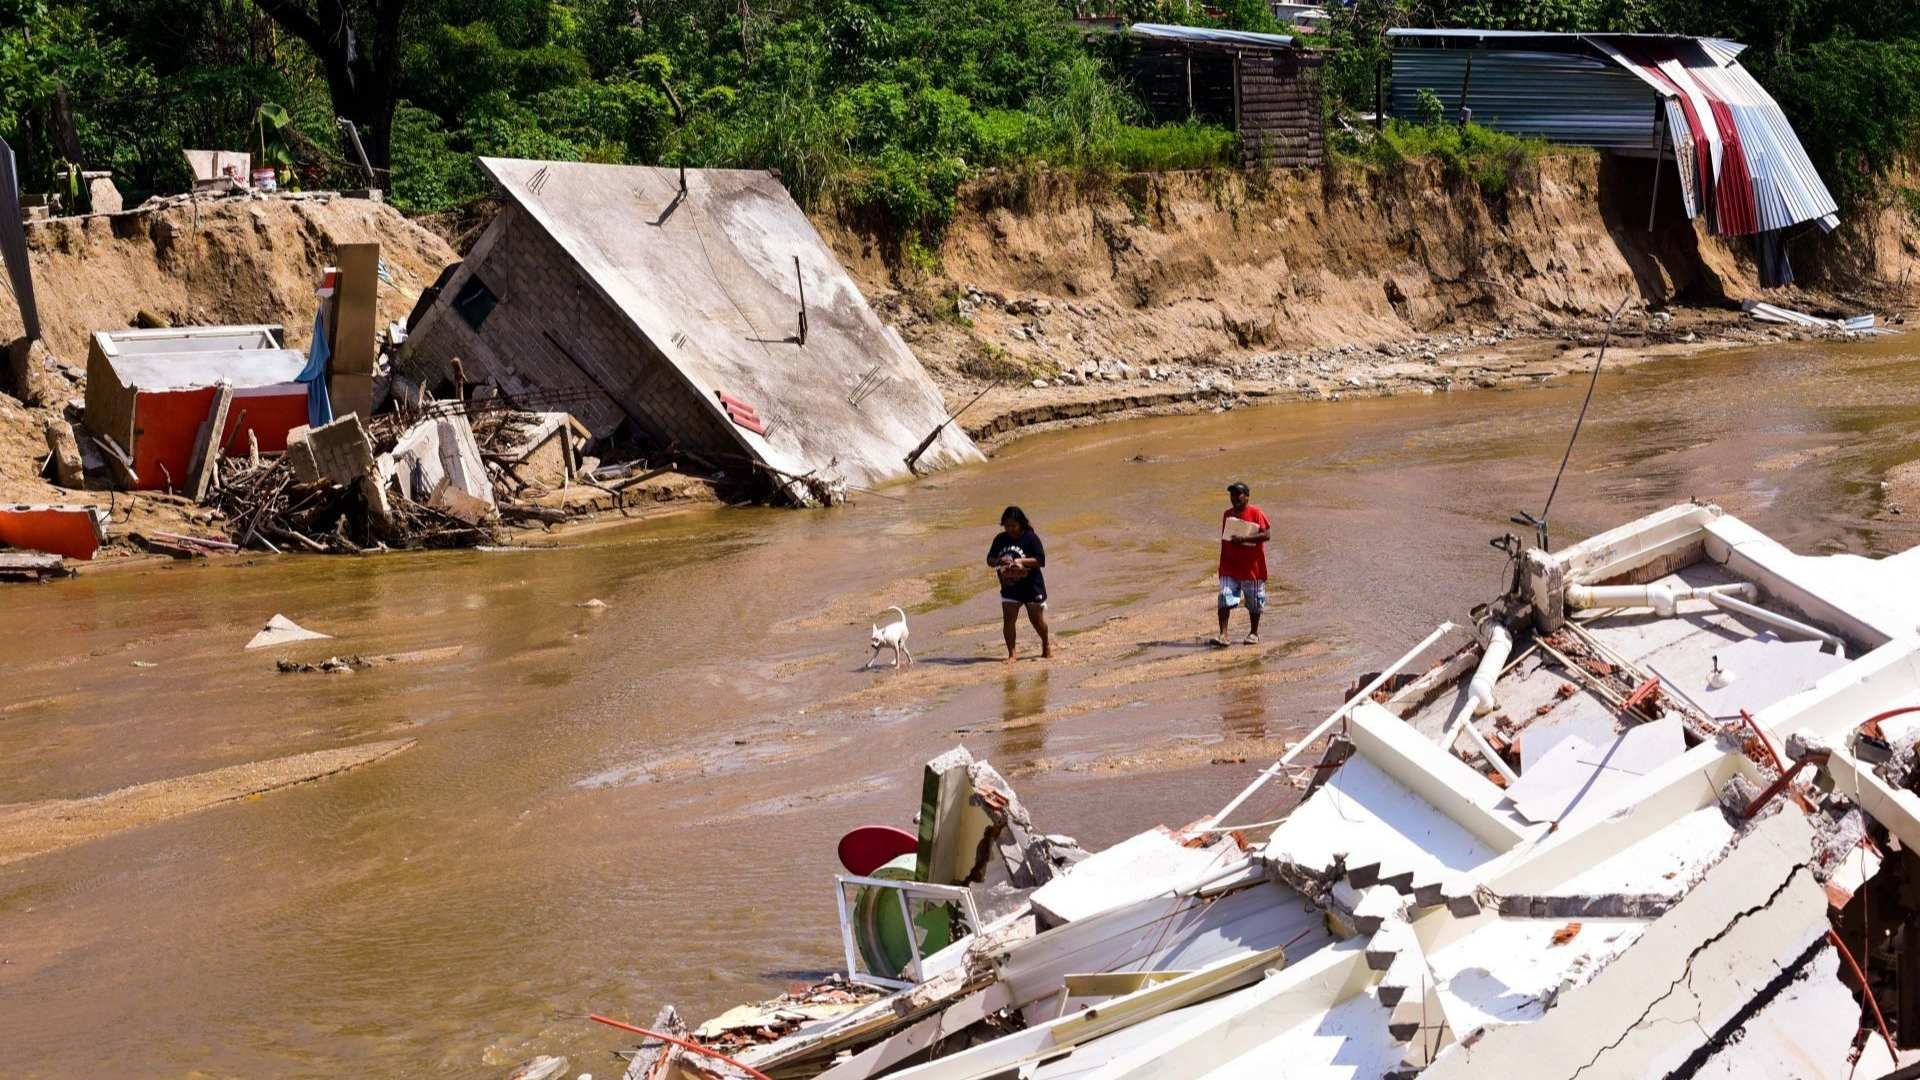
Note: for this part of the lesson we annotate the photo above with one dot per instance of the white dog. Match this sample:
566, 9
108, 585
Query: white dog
894, 634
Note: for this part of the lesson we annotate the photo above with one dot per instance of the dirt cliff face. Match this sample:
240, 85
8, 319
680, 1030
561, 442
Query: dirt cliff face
236, 260
1205, 269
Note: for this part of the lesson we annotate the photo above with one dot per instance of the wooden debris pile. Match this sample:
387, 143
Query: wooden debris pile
269, 508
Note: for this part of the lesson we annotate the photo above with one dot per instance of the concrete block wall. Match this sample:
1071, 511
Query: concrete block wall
551, 330
338, 453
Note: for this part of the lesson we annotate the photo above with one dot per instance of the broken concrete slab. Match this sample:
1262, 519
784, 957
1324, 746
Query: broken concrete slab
437, 463
30, 566
281, 630
71, 531
1689, 972
337, 453
69, 469
1136, 868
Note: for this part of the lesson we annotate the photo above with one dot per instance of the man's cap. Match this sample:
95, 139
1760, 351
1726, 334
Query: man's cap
1238, 488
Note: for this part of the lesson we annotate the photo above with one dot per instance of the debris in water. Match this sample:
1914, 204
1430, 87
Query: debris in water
281, 630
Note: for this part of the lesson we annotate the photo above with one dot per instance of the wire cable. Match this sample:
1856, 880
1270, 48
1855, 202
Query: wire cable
1582, 419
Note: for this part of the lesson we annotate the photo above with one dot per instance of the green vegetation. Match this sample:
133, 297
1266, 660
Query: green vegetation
1491, 160
886, 106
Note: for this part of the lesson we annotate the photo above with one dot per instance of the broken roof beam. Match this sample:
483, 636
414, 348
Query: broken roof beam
1861, 598
1693, 969
1446, 782
1638, 544
1895, 808
1062, 1035
1297, 994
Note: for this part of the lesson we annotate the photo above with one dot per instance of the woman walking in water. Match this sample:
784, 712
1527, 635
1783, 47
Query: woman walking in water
1017, 556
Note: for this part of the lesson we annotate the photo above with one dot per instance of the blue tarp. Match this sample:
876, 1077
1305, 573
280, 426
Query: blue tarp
319, 406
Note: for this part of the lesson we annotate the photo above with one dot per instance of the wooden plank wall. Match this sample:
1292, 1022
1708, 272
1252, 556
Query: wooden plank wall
1280, 121
1160, 73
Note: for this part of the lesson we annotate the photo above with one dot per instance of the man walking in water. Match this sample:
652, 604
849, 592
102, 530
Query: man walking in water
1244, 532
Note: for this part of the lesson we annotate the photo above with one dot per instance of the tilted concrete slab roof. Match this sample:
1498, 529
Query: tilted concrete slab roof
710, 279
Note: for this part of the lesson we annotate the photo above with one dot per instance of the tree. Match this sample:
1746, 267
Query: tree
358, 44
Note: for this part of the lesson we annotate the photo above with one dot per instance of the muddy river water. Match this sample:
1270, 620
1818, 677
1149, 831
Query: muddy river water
609, 808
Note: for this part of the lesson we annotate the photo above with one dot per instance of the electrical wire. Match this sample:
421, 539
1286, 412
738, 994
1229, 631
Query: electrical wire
1582, 419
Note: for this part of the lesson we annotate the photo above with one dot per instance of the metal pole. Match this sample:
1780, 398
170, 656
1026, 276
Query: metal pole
1327, 724
1189, 55
1379, 95
1466, 80
1659, 166
802, 282
360, 151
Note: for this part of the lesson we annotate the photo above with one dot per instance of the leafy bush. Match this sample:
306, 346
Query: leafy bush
1491, 160
1173, 146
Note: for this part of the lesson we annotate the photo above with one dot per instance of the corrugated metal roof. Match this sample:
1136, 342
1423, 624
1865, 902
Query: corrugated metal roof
1739, 158
1762, 177
1723, 50
1562, 97
1208, 36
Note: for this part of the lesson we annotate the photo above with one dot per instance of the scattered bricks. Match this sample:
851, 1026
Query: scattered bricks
336, 453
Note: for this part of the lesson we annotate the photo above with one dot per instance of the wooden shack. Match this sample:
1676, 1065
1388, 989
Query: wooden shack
1261, 86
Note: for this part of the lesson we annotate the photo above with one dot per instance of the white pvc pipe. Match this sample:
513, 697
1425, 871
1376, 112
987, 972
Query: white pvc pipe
1756, 612
1663, 598
1480, 697
1499, 648
1487, 751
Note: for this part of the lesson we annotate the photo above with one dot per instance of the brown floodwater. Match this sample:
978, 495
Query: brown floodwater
610, 809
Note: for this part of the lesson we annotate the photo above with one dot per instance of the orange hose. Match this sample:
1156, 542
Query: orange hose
694, 1046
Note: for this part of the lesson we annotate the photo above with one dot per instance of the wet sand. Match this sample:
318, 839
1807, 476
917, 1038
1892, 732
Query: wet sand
607, 809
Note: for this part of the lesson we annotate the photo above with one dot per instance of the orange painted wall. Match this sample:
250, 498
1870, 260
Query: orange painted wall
54, 530
166, 423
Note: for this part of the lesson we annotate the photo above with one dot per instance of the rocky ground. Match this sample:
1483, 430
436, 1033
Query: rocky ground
1507, 356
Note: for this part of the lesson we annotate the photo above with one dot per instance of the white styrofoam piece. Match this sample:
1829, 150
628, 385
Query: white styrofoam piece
1141, 866
281, 630
1576, 771
1547, 732
1764, 669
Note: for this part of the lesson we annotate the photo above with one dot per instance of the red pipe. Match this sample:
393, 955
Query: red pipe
748, 1069
1865, 991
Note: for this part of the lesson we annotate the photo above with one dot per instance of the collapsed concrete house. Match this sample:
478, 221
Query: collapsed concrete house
1658, 817
1667, 97
709, 320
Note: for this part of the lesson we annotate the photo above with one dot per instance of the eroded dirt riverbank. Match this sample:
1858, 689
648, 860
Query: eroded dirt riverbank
610, 808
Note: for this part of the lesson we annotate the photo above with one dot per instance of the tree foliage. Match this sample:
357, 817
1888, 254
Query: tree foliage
889, 103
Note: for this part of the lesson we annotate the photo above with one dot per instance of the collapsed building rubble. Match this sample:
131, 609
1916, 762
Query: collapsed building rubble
696, 310
1658, 817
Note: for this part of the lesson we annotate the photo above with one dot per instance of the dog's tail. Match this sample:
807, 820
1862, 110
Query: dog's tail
903, 615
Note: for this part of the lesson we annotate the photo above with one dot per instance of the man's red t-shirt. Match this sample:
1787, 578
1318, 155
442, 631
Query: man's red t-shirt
1245, 562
